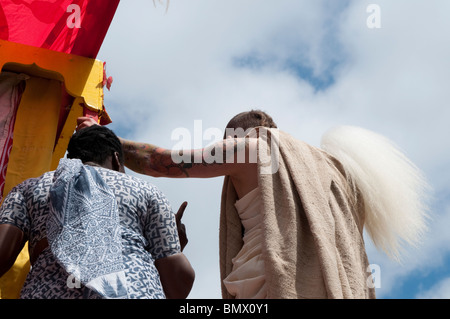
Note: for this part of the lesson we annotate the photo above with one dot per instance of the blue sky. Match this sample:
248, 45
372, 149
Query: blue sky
312, 65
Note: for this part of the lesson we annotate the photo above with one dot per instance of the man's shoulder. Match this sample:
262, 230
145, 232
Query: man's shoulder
130, 180
33, 181
33, 186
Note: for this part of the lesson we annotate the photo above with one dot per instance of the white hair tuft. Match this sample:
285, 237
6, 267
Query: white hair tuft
394, 190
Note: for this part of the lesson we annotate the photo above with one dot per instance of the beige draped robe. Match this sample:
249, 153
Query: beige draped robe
312, 222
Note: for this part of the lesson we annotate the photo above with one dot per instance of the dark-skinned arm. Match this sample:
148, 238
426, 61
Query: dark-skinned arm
12, 240
176, 274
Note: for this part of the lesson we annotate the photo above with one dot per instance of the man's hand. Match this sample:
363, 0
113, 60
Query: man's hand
85, 121
175, 271
181, 227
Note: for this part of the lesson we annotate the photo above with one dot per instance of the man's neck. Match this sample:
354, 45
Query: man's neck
93, 164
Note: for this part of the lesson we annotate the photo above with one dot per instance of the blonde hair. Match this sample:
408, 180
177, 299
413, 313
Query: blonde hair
394, 190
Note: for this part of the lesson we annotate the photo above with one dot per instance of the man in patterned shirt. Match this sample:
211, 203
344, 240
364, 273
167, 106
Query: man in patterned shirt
93, 231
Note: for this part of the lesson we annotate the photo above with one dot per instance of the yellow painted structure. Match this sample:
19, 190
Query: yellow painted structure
36, 146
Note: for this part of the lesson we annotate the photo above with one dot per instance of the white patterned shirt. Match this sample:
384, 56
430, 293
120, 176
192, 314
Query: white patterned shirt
148, 233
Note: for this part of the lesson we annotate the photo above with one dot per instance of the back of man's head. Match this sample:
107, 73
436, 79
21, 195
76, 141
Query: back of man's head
241, 123
94, 144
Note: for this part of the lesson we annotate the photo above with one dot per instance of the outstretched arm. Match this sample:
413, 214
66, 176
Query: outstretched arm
227, 157
149, 159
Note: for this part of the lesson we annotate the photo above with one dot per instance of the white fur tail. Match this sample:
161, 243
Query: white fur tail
393, 188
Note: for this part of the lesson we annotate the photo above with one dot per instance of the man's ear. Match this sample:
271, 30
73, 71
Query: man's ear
116, 163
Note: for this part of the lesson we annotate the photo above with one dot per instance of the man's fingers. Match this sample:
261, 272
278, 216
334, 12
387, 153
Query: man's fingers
180, 226
85, 121
180, 212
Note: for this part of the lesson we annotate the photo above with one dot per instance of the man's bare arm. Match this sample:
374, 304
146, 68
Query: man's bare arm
222, 158
227, 157
176, 274
12, 240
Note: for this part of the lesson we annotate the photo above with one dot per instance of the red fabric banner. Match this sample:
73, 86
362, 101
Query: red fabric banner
69, 26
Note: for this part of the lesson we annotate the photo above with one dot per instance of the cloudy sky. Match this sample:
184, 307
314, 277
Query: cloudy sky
312, 65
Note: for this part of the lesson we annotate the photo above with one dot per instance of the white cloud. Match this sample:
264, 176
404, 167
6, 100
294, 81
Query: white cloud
417, 262
441, 290
171, 69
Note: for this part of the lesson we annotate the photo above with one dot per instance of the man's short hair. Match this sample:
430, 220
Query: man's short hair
245, 121
94, 144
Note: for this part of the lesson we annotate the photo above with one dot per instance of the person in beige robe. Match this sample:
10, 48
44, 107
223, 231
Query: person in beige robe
292, 215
